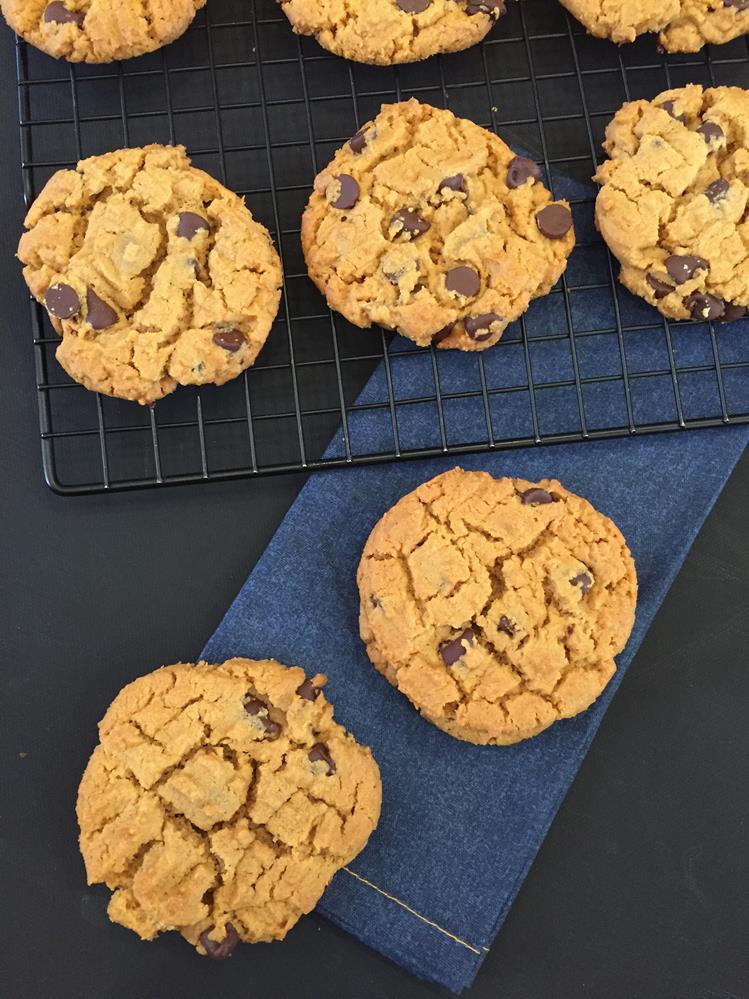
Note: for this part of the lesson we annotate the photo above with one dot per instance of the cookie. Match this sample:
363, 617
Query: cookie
221, 800
428, 224
673, 205
385, 32
99, 30
682, 25
495, 605
153, 273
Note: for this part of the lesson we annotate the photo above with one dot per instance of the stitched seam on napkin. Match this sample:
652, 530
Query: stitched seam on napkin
413, 912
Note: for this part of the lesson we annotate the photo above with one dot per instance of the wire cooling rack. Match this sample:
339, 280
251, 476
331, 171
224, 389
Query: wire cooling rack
264, 110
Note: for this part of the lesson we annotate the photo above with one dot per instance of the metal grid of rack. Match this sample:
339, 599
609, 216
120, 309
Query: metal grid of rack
264, 110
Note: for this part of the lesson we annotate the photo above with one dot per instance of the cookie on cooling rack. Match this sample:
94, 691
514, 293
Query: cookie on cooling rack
496, 605
98, 30
153, 273
221, 800
673, 205
682, 25
428, 224
386, 32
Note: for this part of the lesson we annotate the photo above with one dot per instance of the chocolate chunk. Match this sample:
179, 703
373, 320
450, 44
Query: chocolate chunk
99, 315
407, 223
455, 183
454, 650
737, 4
443, 334
584, 580
670, 108
259, 709
219, 950
554, 221
320, 752
349, 192
197, 270
660, 288
732, 312
414, 6
711, 132
358, 142
463, 281
495, 10
229, 338
506, 625
682, 269
190, 223
702, 305
308, 691
62, 302
479, 327
536, 496
717, 190
58, 13
520, 170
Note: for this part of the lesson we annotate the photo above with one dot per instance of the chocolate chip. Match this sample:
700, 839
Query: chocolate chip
58, 13
660, 288
737, 4
732, 312
219, 950
454, 650
506, 625
197, 270
407, 223
455, 183
554, 221
349, 192
229, 338
584, 580
259, 709
443, 334
99, 315
62, 302
308, 691
702, 305
190, 223
479, 327
320, 752
535, 496
495, 10
520, 170
683, 268
711, 132
413, 6
717, 190
670, 108
463, 281
358, 142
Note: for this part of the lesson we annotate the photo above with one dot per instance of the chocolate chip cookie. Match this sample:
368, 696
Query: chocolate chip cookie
428, 224
99, 30
386, 32
673, 206
221, 800
153, 273
495, 605
682, 25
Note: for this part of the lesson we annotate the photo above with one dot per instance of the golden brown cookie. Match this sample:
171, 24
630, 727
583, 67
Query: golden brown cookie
496, 605
430, 225
153, 273
99, 30
221, 800
682, 25
385, 32
673, 206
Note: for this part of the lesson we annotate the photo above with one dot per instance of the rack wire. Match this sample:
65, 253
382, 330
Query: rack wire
264, 110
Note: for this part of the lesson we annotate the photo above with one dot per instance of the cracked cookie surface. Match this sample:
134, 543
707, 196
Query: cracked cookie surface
386, 32
495, 605
430, 225
673, 205
682, 25
99, 31
154, 274
221, 800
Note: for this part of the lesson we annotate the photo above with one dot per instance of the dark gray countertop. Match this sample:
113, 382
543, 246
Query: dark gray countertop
639, 891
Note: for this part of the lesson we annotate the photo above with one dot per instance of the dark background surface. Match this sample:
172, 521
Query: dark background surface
639, 891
